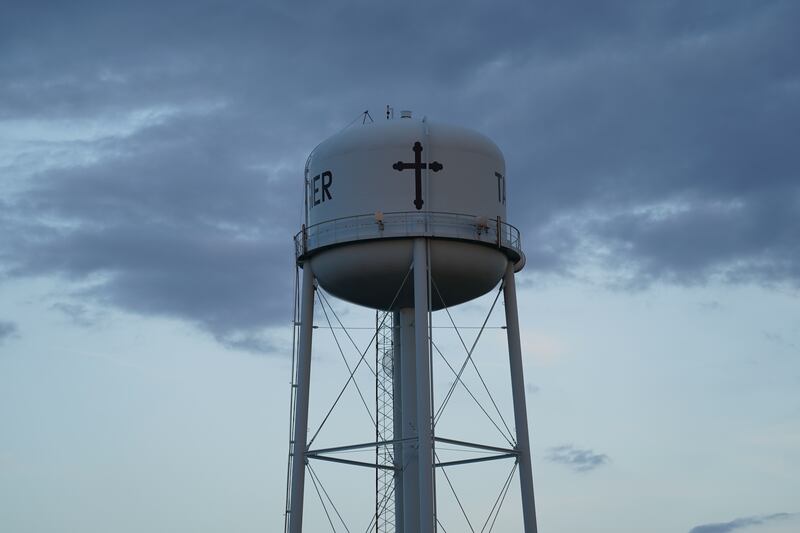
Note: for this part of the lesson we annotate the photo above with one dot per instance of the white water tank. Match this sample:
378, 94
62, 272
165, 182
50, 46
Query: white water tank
374, 187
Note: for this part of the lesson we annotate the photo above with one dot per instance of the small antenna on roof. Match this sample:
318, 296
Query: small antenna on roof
389, 112
367, 116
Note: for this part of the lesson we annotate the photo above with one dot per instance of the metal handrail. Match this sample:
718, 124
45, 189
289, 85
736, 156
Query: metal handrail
492, 231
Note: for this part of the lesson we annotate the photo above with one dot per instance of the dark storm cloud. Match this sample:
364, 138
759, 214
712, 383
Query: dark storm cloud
739, 523
656, 140
174, 223
7, 330
578, 459
752, 237
667, 148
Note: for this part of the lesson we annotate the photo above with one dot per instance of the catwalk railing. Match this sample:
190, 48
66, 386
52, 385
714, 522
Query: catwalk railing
489, 231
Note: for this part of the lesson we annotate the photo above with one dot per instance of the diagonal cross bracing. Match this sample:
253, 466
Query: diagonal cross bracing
358, 364
469, 359
344, 359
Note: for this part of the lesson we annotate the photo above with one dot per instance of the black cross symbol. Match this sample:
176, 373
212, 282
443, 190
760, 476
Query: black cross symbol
418, 167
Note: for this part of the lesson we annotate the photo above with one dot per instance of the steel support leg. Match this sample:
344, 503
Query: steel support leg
518, 393
302, 382
424, 428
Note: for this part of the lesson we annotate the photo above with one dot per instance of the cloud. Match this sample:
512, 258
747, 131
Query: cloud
779, 340
532, 388
578, 459
169, 227
740, 523
152, 155
710, 306
742, 240
7, 330
654, 158
78, 314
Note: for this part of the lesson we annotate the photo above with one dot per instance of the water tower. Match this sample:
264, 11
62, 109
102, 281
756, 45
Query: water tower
406, 216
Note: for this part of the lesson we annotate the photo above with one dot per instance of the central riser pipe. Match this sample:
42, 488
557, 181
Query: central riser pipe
408, 477
424, 426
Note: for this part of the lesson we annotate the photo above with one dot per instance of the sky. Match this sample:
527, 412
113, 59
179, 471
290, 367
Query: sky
151, 160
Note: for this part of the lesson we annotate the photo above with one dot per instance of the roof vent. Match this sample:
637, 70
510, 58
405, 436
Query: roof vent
405, 114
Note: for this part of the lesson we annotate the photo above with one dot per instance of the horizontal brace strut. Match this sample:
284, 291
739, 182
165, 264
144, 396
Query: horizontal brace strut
477, 460
475, 445
360, 446
349, 462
